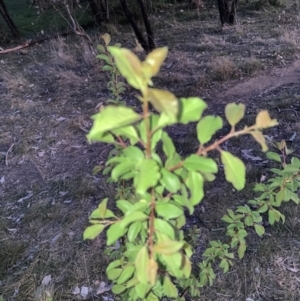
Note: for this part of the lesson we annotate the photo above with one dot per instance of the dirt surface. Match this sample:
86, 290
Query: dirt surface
47, 187
263, 83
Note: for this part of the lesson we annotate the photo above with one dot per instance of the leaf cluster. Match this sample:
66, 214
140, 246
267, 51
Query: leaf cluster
154, 258
114, 85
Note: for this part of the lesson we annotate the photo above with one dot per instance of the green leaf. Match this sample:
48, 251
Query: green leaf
113, 265
127, 132
234, 113
168, 145
133, 231
170, 289
114, 232
129, 66
104, 58
124, 206
224, 265
207, 127
93, 231
186, 267
242, 249
141, 264
191, 109
147, 176
126, 274
195, 182
111, 118
114, 274
121, 169
259, 229
199, 163
168, 211
107, 68
273, 156
164, 101
235, 170
102, 207
141, 290
133, 153
118, 289
164, 227
168, 247
169, 180
133, 217
101, 48
173, 263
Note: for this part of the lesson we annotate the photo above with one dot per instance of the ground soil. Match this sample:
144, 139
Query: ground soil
47, 187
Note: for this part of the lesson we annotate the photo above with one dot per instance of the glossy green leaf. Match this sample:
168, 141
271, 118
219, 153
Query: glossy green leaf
129, 66
195, 183
164, 227
135, 216
147, 176
111, 118
235, 170
118, 289
141, 264
114, 232
122, 168
168, 247
207, 127
133, 231
168, 210
124, 206
168, 145
170, 289
199, 163
93, 231
184, 202
169, 180
126, 274
191, 109
234, 113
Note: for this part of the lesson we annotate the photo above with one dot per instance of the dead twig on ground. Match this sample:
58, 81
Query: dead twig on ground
6, 156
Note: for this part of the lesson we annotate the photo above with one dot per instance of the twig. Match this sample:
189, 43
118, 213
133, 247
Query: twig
6, 156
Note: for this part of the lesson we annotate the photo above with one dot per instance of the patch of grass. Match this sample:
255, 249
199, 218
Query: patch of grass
223, 68
249, 65
10, 253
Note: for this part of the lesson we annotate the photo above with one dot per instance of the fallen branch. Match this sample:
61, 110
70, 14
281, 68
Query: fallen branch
33, 43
